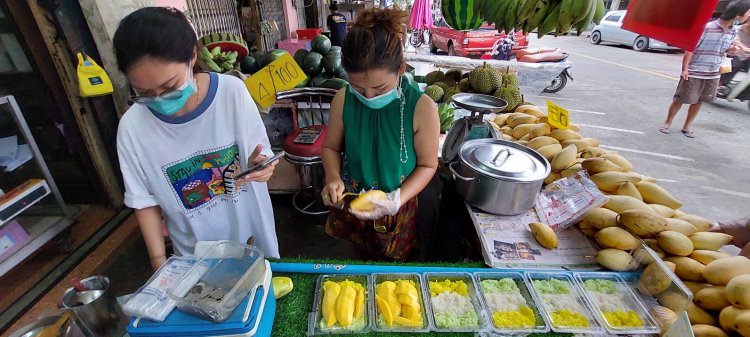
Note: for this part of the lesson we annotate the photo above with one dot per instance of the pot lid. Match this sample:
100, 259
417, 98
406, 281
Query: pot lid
504, 160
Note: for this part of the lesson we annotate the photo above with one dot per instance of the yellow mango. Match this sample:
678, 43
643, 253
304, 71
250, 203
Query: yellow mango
360, 304
562, 135
712, 298
721, 271
599, 165
655, 194
610, 181
331, 291
345, 305
540, 141
363, 202
412, 313
549, 151
402, 321
601, 218
385, 310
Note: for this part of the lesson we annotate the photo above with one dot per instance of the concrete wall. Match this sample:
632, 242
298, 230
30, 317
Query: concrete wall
102, 17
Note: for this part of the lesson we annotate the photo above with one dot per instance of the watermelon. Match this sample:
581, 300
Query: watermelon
336, 49
331, 62
342, 74
460, 14
319, 79
312, 64
249, 65
334, 83
299, 56
321, 44
226, 42
270, 56
304, 83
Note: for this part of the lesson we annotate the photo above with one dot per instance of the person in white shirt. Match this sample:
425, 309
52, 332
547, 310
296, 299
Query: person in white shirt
185, 140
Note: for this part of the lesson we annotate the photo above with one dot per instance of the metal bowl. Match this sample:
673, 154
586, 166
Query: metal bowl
69, 329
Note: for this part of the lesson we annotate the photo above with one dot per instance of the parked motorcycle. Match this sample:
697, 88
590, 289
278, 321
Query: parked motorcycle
542, 55
737, 89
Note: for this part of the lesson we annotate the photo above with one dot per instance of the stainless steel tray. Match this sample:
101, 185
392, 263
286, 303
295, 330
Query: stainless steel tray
479, 103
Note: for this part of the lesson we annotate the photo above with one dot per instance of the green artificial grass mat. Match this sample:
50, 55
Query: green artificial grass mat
292, 310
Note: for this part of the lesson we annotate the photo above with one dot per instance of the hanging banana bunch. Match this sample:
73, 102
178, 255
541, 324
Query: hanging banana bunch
544, 16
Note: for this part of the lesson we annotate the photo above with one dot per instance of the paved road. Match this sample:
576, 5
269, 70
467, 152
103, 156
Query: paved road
621, 97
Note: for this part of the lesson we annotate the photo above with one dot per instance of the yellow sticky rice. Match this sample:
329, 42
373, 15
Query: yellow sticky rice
523, 317
458, 287
622, 318
569, 318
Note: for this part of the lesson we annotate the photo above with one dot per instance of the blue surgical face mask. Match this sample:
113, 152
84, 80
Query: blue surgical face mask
380, 101
170, 103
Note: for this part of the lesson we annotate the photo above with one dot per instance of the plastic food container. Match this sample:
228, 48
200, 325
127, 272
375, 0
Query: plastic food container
492, 300
617, 308
564, 312
401, 299
317, 324
218, 282
665, 296
440, 314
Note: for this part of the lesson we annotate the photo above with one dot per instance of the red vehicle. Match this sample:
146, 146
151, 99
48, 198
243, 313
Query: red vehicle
469, 42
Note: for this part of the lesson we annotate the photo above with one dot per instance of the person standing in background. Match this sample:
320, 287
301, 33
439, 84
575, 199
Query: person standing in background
336, 23
699, 79
740, 62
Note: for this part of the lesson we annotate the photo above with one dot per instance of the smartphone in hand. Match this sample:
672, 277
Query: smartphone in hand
262, 165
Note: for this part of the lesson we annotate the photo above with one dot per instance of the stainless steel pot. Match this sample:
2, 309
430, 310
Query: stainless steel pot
499, 176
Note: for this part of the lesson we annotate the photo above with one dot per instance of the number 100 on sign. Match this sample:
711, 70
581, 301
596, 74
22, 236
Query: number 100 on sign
282, 74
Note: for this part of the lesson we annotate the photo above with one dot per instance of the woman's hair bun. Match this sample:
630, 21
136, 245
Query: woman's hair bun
392, 20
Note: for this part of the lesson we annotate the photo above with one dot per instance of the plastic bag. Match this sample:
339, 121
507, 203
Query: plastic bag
726, 65
152, 300
564, 202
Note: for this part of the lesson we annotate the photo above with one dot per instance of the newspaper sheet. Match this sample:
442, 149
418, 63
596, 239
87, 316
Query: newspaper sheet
507, 242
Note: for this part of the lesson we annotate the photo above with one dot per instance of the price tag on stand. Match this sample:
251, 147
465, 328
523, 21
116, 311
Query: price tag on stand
282, 74
557, 116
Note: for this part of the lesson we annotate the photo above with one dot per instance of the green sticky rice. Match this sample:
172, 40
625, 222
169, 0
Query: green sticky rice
552, 286
505, 285
600, 286
449, 320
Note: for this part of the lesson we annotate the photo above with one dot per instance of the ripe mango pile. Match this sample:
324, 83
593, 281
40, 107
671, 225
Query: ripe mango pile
343, 303
639, 209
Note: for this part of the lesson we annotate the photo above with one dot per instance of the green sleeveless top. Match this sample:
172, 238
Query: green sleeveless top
372, 140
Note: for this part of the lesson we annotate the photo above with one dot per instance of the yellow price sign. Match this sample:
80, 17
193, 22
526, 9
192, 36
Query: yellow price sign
557, 116
282, 74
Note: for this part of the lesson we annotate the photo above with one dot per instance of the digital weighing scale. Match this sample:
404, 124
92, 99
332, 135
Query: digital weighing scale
471, 127
254, 317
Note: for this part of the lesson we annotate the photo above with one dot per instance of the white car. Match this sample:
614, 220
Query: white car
610, 30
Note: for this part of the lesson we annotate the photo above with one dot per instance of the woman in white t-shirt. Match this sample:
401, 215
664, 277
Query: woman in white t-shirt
184, 141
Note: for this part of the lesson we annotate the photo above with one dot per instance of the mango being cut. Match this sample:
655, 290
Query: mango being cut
363, 202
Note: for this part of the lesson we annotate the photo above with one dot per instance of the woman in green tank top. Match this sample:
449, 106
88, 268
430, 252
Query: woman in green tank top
382, 134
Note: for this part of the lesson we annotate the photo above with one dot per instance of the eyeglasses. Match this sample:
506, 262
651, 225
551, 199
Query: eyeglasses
169, 95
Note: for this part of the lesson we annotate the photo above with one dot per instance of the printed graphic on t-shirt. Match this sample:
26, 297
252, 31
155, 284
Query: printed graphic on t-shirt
338, 18
204, 176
